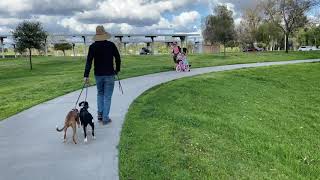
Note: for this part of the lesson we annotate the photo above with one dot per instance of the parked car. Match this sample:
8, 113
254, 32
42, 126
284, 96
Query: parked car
252, 49
145, 51
308, 48
259, 49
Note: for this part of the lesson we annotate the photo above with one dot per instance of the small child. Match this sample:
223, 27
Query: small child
184, 55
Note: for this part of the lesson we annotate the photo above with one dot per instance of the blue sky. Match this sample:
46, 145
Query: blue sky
125, 16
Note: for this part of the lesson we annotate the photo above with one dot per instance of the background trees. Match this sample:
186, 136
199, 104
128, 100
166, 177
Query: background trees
29, 35
249, 26
219, 28
274, 24
288, 15
269, 34
63, 46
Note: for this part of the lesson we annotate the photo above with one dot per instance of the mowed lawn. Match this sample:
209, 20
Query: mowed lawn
259, 123
21, 88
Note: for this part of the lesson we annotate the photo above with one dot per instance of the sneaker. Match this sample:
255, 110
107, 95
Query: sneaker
106, 122
99, 117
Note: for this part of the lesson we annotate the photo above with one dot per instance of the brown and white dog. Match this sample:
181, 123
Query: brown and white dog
71, 120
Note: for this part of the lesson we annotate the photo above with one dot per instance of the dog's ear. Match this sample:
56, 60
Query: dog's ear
81, 104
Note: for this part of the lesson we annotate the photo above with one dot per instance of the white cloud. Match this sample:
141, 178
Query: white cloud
133, 12
237, 21
5, 30
8, 21
126, 16
184, 22
76, 26
14, 6
186, 19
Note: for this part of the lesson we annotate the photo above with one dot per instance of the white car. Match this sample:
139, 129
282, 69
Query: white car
308, 48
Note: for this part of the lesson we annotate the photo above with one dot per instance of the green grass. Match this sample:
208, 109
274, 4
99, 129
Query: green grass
259, 123
21, 88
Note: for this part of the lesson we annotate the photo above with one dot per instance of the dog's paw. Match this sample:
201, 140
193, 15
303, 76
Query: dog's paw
93, 137
64, 140
86, 140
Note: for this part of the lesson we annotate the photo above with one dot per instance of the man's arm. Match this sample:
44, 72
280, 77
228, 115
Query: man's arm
118, 59
89, 63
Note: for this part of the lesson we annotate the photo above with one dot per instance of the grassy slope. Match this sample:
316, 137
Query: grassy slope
247, 124
21, 88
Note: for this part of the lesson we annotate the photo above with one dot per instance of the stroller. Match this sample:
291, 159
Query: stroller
182, 63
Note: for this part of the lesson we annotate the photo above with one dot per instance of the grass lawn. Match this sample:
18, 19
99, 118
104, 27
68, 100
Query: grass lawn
259, 123
21, 88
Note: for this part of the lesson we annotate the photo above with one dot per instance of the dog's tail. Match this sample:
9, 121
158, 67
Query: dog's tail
59, 130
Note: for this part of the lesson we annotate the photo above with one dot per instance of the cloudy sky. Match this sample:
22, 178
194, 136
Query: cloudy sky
118, 16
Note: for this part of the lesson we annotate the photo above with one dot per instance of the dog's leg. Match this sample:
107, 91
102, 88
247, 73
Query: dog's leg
85, 133
65, 134
92, 126
74, 127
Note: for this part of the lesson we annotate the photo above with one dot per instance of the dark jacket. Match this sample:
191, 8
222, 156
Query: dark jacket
103, 52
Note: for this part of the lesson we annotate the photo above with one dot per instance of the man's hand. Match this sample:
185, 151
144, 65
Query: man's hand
86, 80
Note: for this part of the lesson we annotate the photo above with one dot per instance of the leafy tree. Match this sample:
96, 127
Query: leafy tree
269, 34
29, 35
289, 15
309, 36
314, 35
219, 28
63, 46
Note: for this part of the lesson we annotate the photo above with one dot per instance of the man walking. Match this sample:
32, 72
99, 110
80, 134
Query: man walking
103, 52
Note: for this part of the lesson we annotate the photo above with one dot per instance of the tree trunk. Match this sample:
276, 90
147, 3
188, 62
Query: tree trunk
287, 43
30, 59
74, 54
224, 47
64, 53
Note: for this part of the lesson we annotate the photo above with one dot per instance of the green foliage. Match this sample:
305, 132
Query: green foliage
29, 35
269, 33
247, 124
219, 28
63, 46
309, 36
289, 15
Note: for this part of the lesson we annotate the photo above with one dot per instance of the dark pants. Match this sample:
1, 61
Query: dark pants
175, 58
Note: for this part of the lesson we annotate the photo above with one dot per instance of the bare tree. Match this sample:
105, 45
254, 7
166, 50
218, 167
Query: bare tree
248, 28
288, 14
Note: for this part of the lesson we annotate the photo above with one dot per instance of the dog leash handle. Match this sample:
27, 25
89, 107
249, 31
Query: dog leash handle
119, 82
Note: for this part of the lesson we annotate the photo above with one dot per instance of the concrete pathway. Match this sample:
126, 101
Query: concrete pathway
31, 148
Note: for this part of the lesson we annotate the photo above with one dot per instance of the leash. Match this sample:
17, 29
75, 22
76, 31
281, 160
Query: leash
84, 85
86, 92
119, 82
